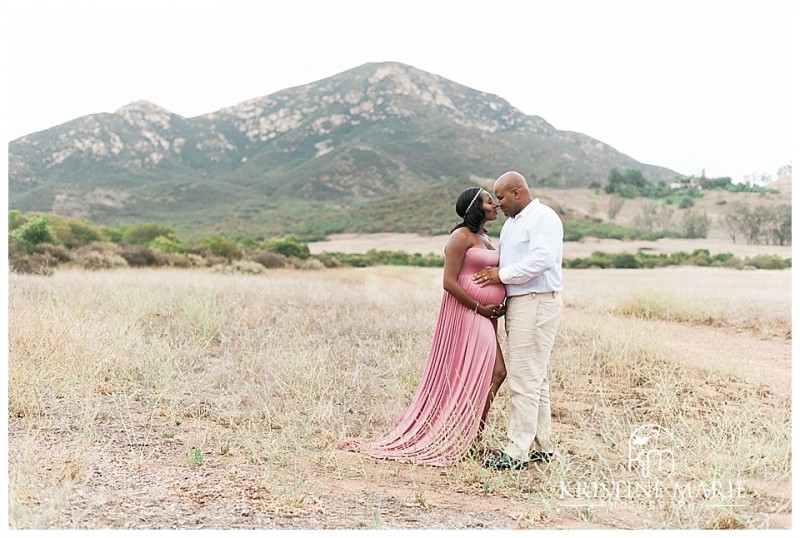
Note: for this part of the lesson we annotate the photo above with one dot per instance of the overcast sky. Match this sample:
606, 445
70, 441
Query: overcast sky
691, 85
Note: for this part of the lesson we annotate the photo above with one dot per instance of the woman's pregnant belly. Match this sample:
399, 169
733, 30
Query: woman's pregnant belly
491, 294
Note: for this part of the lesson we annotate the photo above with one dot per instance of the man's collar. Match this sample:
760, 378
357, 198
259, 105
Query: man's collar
526, 209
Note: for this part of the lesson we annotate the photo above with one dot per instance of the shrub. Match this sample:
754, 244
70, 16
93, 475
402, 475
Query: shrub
767, 261
181, 260
59, 252
220, 246
94, 260
700, 257
142, 234
290, 247
329, 261
239, 266
196, 260
600, 260
73, 233
41, 263
270, 260
624, 261
84, 233
731, 263
139, 256
430, 260
33, 233
15, 220
311, 264
114, 233
167, 244
211, 260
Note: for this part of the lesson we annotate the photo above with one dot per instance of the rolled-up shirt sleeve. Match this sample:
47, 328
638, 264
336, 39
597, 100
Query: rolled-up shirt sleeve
544, 235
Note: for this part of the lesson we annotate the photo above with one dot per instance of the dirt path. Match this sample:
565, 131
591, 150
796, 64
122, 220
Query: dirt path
724, 350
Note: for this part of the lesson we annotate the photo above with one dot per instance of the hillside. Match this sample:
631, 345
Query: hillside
369, 137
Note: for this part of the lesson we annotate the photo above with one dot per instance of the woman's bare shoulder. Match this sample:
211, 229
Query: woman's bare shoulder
460, 238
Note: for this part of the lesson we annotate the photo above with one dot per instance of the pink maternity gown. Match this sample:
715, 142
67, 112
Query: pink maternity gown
440, 424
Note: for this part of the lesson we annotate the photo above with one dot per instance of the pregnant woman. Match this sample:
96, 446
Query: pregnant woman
465, 366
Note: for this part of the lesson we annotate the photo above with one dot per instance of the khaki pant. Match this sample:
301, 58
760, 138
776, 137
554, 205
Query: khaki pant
531, 324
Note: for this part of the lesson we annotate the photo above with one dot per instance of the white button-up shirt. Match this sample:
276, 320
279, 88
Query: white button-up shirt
531, 250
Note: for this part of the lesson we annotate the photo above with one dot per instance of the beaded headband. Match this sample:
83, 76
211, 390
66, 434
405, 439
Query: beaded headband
480, 190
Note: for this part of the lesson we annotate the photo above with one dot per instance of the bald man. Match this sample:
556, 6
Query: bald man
531, 252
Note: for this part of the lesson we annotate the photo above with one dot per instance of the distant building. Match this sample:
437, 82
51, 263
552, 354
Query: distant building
687, 183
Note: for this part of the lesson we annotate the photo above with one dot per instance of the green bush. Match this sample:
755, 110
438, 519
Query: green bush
699, 257
33, 233
84, 233
290, 247
767, 261
115, 234
220, 246
599, 260
624, 261
379, 257
73, 233
167, 244
15, 220
142, 234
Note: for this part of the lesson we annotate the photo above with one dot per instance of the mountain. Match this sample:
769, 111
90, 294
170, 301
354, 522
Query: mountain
367, 135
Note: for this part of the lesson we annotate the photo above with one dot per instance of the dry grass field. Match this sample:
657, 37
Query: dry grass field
186, 399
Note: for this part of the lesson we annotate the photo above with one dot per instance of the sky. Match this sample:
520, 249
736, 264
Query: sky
699, 86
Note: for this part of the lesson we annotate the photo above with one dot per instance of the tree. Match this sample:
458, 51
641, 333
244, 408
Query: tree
720, 183
664, 218
757, 179
615, 203
646, 218
760, 225
733, 223
785, 170
695, 224
614, 181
